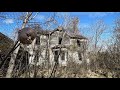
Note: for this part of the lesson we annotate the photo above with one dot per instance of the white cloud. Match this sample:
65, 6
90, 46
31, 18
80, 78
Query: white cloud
8, 21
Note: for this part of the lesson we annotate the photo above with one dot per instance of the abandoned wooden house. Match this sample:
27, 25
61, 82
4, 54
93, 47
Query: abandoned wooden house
54, 46
59, 42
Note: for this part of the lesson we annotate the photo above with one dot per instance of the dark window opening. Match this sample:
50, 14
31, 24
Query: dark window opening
38, 40
80, 56
56, 56
1, 58
36, 57
62, 55
78, 43
60, 40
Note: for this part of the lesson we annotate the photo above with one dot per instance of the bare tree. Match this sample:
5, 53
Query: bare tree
98, 28
117, 33
13, 56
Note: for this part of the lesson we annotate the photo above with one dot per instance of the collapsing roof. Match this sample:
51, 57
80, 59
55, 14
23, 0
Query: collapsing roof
44, 32
4, 37
71, 35
74, 36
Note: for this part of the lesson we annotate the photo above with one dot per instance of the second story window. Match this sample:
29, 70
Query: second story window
80, 56
56, 56
38, 40
60, 40
62, 55
78, 43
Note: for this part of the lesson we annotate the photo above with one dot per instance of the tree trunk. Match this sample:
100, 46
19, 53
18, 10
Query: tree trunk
13, 56
12, 62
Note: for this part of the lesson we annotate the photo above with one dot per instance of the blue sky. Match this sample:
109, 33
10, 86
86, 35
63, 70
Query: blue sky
8, 25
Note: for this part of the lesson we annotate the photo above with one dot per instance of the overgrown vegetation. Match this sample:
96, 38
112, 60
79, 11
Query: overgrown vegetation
100, 63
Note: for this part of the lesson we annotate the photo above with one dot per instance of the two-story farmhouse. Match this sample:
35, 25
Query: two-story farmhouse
60, 46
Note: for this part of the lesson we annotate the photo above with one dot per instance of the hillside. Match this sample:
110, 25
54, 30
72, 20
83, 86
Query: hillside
5, 43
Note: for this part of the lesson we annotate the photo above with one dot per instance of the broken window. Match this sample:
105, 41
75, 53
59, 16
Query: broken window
80, 56
38, 40
62, 55
78, 43
56, 56
60, 40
